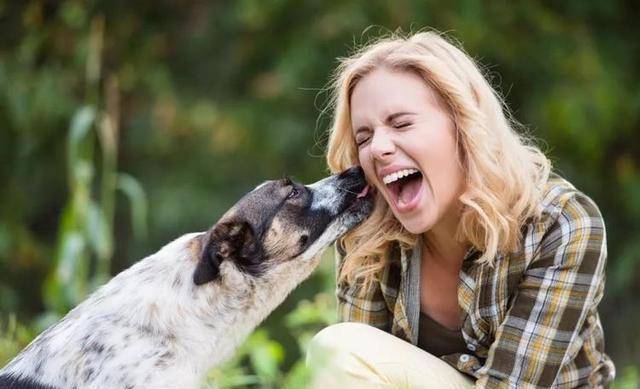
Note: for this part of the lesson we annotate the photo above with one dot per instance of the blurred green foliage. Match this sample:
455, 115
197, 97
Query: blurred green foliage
197, 102
13, 338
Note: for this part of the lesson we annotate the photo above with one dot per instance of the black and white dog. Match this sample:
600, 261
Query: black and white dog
164, 322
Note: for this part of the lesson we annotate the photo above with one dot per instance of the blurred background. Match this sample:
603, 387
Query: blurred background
126, 124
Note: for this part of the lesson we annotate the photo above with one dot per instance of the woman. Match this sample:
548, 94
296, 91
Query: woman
478, 265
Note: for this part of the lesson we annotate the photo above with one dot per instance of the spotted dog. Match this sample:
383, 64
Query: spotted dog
168, 319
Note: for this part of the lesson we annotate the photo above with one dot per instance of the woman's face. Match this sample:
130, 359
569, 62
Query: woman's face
407, 147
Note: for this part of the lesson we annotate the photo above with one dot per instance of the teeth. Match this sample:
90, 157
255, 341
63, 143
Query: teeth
389, 178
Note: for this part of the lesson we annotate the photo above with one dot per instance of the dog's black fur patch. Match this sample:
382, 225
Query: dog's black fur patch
231, 240
12, 382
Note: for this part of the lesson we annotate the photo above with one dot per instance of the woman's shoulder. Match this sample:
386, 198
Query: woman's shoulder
568, 219
561, 201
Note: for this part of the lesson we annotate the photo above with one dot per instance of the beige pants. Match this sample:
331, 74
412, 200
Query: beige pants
355, 355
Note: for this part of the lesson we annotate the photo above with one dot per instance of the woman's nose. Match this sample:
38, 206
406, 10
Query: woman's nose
382, 145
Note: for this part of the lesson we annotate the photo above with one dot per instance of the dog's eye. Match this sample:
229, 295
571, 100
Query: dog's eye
303, 240
293, 194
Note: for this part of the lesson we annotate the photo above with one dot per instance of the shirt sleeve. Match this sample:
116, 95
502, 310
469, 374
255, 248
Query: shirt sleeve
356, 304
561, 285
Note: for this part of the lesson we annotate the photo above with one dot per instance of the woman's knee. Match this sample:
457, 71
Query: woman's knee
341, 336
339, 343
335, 358
358, 353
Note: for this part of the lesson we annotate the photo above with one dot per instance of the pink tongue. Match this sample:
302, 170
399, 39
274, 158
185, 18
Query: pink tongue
364, 191
409, 190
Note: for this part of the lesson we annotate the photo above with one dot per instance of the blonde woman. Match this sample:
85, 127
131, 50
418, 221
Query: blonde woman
478, 266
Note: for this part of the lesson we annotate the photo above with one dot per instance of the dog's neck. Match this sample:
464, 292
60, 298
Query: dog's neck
241, 302
169, 318
214, 318
154, 317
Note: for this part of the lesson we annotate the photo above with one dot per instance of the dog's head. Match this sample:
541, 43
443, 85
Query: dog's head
281, 221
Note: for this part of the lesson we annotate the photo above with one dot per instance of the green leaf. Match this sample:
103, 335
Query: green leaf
66, 286
98, 232
298, 377
266, 355
138, 200
81, 123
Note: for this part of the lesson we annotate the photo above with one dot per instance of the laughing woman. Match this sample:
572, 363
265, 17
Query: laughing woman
479, 266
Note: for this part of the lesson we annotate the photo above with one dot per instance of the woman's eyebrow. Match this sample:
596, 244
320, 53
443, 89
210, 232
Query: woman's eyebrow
389, 119
396, 115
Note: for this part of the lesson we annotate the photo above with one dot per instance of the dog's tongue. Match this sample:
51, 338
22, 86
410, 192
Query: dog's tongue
364, 191
408, 191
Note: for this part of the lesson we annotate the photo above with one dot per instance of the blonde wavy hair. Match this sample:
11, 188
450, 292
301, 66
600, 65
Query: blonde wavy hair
505, 172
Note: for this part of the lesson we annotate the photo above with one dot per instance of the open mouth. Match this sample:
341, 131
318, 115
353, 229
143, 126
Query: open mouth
404, 188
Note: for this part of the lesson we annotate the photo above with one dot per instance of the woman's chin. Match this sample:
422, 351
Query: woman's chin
417, 222
416, 228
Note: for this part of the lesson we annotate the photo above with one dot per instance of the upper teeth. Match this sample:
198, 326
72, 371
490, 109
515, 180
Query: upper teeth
389, 178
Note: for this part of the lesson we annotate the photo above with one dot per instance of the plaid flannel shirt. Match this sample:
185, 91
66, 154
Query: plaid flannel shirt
529, 321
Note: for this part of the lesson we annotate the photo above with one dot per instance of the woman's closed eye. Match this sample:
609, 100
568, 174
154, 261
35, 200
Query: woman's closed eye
362, 136
361, 140
402, 124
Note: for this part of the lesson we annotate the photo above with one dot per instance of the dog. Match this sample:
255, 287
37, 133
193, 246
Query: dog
168, 319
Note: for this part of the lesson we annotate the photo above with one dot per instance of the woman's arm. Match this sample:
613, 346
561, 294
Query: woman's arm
560, 288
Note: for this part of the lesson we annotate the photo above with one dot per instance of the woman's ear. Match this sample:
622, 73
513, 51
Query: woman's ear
225, 241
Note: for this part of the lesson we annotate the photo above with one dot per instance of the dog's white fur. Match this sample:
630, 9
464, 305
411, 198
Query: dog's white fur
156, 303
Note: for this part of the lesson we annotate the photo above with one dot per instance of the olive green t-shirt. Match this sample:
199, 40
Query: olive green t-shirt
437, 339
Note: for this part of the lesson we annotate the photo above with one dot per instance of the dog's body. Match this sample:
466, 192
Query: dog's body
172, 316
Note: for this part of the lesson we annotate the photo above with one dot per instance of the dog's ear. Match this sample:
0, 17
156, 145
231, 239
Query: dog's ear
226, 240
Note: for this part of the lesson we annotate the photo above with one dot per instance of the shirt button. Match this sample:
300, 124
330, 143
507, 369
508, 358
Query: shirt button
464, 358
471, 347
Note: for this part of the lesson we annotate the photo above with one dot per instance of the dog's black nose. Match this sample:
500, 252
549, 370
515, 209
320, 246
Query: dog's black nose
354, 172
352, 179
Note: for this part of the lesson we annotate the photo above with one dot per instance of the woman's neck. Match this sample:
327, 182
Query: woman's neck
440, 244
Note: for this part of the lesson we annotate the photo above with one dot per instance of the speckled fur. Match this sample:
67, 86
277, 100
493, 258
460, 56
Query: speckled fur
151, 326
